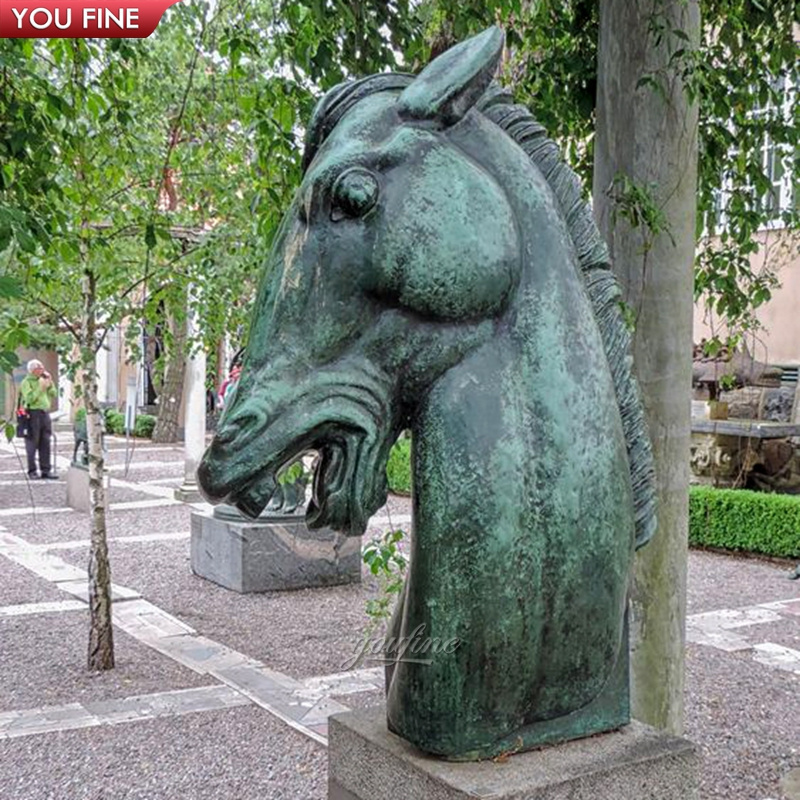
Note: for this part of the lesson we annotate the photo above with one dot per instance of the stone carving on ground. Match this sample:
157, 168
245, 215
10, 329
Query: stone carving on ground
82, 441
439, 271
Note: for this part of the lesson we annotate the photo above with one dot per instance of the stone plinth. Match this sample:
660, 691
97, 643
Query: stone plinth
78, 488
188, 493
366, 762
260, 556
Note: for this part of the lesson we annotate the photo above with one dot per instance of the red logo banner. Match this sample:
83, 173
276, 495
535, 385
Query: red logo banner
78, 19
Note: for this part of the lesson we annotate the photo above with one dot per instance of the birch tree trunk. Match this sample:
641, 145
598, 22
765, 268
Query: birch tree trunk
646, 165
101, 638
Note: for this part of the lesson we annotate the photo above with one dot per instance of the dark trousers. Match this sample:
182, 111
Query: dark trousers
40, 430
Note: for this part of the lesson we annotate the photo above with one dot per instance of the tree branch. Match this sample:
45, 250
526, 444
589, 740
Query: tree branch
61, 317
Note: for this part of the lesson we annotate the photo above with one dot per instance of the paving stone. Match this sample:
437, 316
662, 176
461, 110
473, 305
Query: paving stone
145, 621
345, 682
790, 784
47, 720
721, 640
41, 608
200, 654
257, 680
46, 565
184, 701
775, 655
321, 710
81, 589
730, 619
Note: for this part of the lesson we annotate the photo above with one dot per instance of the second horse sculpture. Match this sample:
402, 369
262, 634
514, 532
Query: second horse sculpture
439, 270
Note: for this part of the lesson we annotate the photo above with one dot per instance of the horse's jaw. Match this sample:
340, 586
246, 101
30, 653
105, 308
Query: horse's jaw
351, 428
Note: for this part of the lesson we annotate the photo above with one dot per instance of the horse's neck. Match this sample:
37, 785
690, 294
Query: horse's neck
462, 475
494, 422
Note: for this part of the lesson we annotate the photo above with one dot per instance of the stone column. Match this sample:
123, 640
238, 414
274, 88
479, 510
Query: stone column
194, 399
647, 135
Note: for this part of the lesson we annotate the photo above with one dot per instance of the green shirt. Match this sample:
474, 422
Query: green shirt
33, 397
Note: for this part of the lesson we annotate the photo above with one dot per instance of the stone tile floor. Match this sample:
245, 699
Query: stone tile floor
217, 695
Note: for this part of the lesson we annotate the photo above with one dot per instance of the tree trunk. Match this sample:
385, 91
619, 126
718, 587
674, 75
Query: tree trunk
170, 399
647, 141
101, 638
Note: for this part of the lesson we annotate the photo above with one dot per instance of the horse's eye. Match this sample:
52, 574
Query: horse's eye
354, 193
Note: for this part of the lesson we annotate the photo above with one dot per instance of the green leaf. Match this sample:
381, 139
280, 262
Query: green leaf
10, 287
150, 235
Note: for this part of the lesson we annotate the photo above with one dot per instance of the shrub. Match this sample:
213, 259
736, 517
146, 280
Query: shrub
398, 470
115, 421
144, 425
738, 519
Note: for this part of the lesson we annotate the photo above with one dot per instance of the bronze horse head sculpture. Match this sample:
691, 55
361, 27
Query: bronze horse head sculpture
439, 271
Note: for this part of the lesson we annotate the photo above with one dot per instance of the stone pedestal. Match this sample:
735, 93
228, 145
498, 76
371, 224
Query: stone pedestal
188, 493
366, 762
260, 556
78, 488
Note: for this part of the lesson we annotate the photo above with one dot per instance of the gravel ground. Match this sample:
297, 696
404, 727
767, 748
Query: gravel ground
395, 504
303, 633
43, 663
722, 581
136, 475
139, 454
71, 525
744, 716
124, 495
35, 494
361, 699
785, 633
42, 528
42, 494
19, 585
241, 754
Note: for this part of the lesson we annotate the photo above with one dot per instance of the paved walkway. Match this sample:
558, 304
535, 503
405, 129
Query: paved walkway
230, 694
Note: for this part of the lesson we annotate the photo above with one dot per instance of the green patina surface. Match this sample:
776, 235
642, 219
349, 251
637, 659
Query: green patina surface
438, 271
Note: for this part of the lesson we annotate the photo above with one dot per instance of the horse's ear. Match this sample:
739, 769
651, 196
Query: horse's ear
452, 83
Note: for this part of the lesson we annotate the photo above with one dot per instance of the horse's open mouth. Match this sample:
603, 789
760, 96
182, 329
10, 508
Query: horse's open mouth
345, 420
335, 496
349, 479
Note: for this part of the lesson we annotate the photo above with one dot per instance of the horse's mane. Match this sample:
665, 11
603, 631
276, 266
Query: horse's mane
601, 285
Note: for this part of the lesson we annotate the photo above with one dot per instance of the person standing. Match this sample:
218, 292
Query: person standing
36, 393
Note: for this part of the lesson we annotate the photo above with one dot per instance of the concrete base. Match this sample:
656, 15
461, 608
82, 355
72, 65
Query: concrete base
367, 762
78, 488
258, 556
188, 493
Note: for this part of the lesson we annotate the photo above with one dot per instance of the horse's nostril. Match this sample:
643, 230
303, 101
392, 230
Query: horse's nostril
227, 433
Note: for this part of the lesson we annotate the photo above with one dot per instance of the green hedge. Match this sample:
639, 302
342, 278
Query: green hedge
738, 519
115, 422
144, 425
398, 470
731, 519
